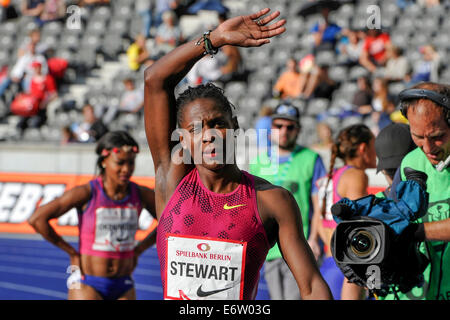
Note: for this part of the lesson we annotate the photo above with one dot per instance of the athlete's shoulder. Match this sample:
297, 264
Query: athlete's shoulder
354, 173
263, 185
78, 195
270, 192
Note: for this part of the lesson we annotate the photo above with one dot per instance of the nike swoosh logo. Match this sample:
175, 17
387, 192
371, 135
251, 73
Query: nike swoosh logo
202, 293
227, 207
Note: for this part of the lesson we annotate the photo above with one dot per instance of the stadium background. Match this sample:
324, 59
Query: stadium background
36, 166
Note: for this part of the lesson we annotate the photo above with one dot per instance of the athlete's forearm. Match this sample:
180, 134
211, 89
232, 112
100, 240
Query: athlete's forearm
318, 290
43, 227
146, 243
171, 68
437, 230
40, 222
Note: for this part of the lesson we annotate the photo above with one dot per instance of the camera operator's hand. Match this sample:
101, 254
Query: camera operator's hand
417, 176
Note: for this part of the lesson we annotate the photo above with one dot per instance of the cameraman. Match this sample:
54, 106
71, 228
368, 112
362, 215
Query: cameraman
427, 107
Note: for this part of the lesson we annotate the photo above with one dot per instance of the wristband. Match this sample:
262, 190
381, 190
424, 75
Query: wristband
207, 44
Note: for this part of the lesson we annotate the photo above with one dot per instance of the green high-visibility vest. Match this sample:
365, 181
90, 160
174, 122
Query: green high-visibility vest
294, 175
437, 274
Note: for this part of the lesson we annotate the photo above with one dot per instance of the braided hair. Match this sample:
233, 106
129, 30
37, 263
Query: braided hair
345, 147
113, 139
208, 91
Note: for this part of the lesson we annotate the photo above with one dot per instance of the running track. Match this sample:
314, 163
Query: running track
33, 269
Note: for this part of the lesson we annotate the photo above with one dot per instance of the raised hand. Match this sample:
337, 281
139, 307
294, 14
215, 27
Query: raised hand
251, 30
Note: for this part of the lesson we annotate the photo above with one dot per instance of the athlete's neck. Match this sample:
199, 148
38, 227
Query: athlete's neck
357, 163
113, 190
224, 180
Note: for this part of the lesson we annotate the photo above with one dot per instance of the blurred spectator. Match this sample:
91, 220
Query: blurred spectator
43, 86
323, 146
205, 70
137, 53
4, 5
324, 135
350, 47
32, 8
161, 7
264, 122
67, 136
306, 67
54, 10
168, 35
57, 66
34, 38
288, 84
382, 101
230, 59
325, 33
145, 9
7, 10
362, 99
402, 4
23, 70
91, 129
373, 54
427, 68
320, 85
93, 3
43, 91
132, 99
397, 65
382, 104
428, 3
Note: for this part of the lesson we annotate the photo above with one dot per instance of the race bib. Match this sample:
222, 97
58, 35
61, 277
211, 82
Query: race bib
199, 268
324, 189
115, 229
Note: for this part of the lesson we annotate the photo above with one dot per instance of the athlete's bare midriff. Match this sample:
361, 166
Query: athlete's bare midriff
106, 267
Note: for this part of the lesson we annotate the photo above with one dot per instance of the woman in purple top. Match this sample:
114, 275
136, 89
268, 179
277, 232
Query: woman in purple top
355, 145
108, 211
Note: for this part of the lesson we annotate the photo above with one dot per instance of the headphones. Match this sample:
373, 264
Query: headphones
437, 98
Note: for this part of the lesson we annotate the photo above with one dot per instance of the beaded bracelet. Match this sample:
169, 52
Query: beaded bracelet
207, 45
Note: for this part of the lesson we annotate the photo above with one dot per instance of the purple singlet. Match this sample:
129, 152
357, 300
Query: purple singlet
108, 227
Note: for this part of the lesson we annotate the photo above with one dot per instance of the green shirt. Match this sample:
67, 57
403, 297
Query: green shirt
295, 175
437, 274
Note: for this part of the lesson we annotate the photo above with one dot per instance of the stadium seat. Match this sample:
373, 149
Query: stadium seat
317, 106
338, 73
69, 41
7, 42
356, 72
118, 27
8, 28
96, 27
52, 28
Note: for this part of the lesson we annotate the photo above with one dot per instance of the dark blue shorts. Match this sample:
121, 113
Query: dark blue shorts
333, 276
109, 288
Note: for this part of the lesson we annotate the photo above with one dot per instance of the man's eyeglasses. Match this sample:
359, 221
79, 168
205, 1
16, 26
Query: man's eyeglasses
289, 127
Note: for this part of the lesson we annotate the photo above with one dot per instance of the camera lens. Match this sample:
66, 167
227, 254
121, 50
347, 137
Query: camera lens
362, 243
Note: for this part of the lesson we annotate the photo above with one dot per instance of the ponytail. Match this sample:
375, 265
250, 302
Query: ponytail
334, 155
345, 147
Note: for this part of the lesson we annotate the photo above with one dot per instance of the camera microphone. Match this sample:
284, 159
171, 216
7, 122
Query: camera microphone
341, 211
